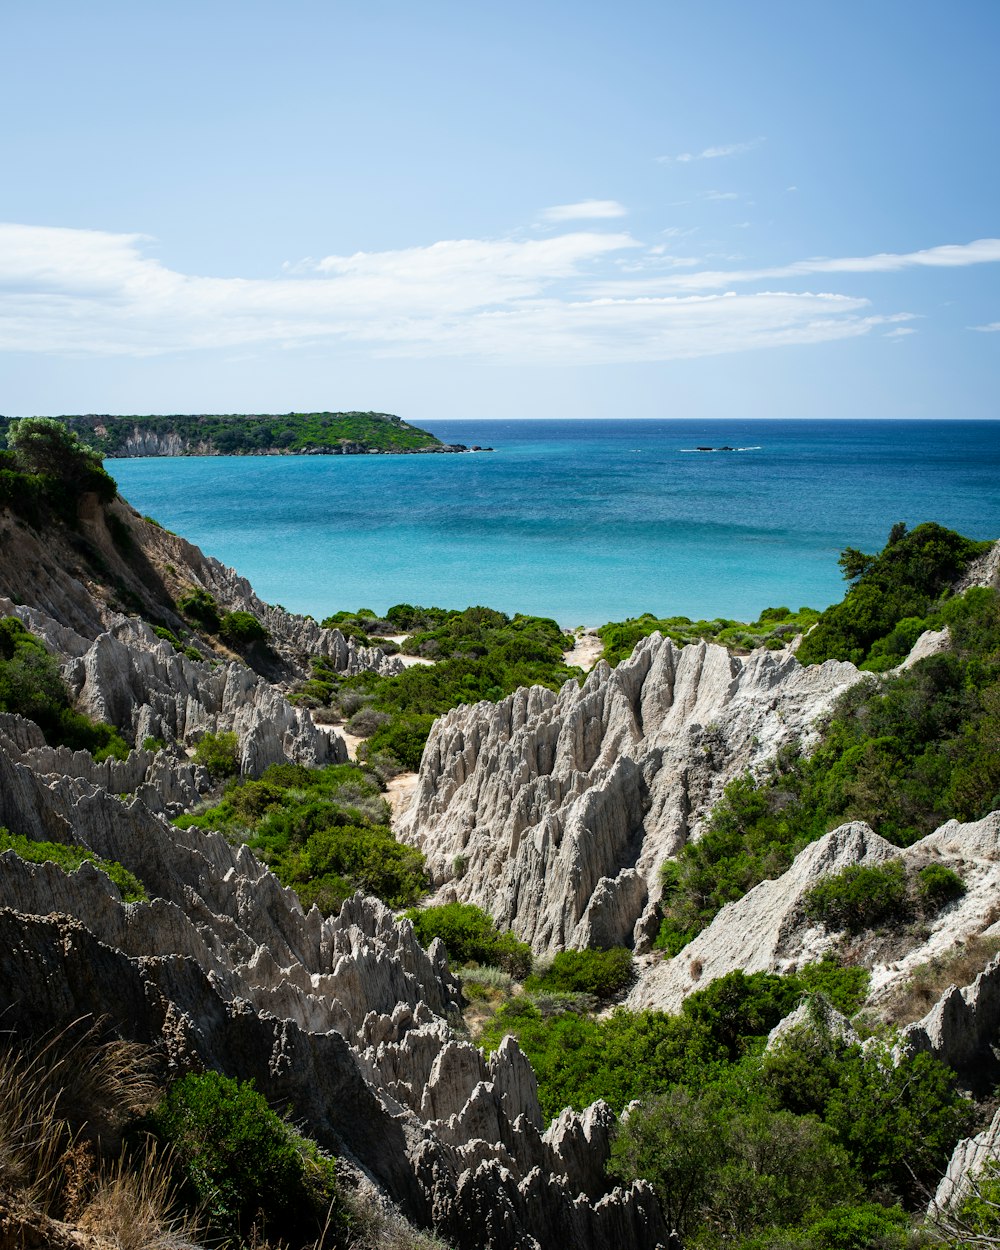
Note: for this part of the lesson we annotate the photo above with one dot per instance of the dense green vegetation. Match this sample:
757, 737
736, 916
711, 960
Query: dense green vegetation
604, 974
811, 1137
629, 1055
479, 654
859, 897
470, 937
69, 858
323, 831
775, 628
904, 752
882, 614
45, 470
248, 1169
219, 753
32, 686
238, 434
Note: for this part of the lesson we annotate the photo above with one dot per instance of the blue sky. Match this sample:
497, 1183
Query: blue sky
458, 210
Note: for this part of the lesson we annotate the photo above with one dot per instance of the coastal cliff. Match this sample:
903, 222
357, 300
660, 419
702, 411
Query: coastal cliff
291, 434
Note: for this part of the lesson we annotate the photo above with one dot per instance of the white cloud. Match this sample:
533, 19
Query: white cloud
712, 153
992, 327
547, 299
951, 255
900, 332
585, 210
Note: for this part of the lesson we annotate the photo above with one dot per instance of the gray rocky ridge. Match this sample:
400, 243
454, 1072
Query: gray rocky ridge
347, 1019
555, 812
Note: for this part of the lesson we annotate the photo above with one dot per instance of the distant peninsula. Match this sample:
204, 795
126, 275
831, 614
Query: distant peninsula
239, 434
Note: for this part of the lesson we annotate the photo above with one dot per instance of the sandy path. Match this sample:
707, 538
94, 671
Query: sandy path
587, 651
400, 791
407, 660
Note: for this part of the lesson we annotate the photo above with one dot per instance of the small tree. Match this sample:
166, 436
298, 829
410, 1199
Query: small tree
45, 446
219, 753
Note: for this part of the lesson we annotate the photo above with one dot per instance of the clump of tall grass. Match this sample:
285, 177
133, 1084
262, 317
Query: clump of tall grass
133, 1206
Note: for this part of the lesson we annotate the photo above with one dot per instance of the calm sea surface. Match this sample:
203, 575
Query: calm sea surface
586, 521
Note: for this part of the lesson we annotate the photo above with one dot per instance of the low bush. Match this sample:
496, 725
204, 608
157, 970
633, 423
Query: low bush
200, 607
323, 831
938, 886
247, 1167
69, 858
859, 897
470, 936
219, 753
774, 628
604, 973
242, 628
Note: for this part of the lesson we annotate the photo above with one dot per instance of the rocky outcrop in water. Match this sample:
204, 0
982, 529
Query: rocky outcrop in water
560, 809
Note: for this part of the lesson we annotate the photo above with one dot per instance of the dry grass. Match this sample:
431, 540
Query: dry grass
33, 1135
959, 966
64, 1100
134, 1207
376, 1226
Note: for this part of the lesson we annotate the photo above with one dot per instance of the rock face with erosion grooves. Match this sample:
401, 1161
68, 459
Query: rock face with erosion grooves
561, 808
344, 1018
768, 931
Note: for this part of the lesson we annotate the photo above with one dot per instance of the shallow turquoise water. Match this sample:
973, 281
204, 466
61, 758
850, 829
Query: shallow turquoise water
586, 521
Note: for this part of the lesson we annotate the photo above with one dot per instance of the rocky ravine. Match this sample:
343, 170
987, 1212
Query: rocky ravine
344, 1019
555, 812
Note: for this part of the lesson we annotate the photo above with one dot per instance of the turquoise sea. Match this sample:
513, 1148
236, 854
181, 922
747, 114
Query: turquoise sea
585, 521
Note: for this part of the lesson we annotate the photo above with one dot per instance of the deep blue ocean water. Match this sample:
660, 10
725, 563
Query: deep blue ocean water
586, 521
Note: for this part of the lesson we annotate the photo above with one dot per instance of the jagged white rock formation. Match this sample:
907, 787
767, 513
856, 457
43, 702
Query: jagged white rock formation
962, 1024
765, 930
344, 1018
136, 681
967, 1162
817, 1015
768, 931
561, 808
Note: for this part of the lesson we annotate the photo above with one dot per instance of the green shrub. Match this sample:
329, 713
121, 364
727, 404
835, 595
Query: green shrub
199, 606
323, 831
846, 987
903, 583
734, 1172
470, 936
938, 885
46, 448
859, 897
246, 1166
242, 628
69, 858
774, 628
605, 974
219, 753
153, 744
868, 1226
161, 631
32, 686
